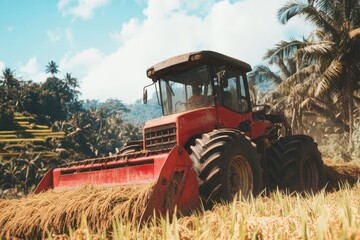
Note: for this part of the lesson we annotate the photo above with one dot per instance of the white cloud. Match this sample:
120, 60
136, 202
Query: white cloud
81, 63
63, 3
240, 29
69, 35
78, 64
30, 71
30, 67
54, 35
2, 66
58, 34
80, 8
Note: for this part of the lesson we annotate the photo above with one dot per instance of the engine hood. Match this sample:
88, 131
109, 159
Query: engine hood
188, 124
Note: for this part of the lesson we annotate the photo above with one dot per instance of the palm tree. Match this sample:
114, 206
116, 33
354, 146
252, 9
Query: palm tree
290, 81
8, 78
9, 82
340, 21
71, 81
29, 166
52, 68
11, 176
73, 84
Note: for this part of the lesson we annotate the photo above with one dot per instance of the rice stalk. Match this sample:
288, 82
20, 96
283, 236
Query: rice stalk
59, 211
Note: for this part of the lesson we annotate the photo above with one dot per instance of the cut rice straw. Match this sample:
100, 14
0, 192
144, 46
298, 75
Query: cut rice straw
32, 216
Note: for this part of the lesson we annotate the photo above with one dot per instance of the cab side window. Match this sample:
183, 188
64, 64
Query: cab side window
229, 94
244, 104
234, 93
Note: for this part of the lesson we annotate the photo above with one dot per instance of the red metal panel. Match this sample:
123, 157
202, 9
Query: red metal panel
186, 196
258, 128
189, 123
194, 123
110, 172
46, 182
231, 119
115, 176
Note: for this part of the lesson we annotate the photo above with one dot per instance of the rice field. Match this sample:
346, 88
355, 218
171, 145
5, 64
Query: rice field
36, 215
332, 213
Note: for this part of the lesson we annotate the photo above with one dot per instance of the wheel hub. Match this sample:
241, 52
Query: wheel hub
240, 177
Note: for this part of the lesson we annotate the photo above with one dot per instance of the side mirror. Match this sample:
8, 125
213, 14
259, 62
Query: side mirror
145, 96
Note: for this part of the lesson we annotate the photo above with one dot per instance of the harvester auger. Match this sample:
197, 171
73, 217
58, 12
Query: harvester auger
210, 143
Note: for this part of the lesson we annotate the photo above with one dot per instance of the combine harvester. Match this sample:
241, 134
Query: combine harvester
210, 143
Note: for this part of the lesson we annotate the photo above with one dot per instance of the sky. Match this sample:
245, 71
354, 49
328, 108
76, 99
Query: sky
108, 44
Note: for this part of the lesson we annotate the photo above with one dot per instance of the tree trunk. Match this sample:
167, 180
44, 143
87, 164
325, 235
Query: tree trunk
350, 103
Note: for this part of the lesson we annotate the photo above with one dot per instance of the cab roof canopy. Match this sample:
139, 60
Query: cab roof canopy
194, 58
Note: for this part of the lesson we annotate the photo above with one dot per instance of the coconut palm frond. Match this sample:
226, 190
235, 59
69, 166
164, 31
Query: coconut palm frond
317, 12
324, 19
278, 106
262, 73
290, 10
287, 67
330, 77
319, 35
302, 77
321, 108
337, 97
272, 97
324, 6
310, 102
283, 89
354, 33
253, 94
315, 50
283, 50
292, 65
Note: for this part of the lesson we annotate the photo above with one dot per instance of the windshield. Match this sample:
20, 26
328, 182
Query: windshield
186, 90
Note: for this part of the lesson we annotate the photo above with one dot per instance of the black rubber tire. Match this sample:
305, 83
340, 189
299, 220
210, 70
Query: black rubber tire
295, 165
226, 163
131, 147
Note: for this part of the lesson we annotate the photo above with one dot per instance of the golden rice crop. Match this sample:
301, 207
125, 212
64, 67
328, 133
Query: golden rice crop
326, 215
338, 174
113, 212
33, 215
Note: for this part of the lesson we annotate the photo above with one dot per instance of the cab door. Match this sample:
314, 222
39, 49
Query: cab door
235, 107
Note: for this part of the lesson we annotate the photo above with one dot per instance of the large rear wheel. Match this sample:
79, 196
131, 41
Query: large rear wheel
295, 165
226, 164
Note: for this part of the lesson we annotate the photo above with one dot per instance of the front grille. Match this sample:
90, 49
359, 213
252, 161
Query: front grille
161, 137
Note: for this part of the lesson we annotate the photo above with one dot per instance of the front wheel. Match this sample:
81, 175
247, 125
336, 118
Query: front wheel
295, 165
226, 164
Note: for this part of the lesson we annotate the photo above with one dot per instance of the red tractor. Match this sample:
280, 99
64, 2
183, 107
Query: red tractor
210, 141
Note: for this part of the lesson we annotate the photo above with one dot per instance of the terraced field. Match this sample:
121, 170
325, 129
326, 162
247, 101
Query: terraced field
16, 141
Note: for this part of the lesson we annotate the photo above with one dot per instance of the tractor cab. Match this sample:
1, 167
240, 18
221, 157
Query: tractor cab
199, 80
198, 92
